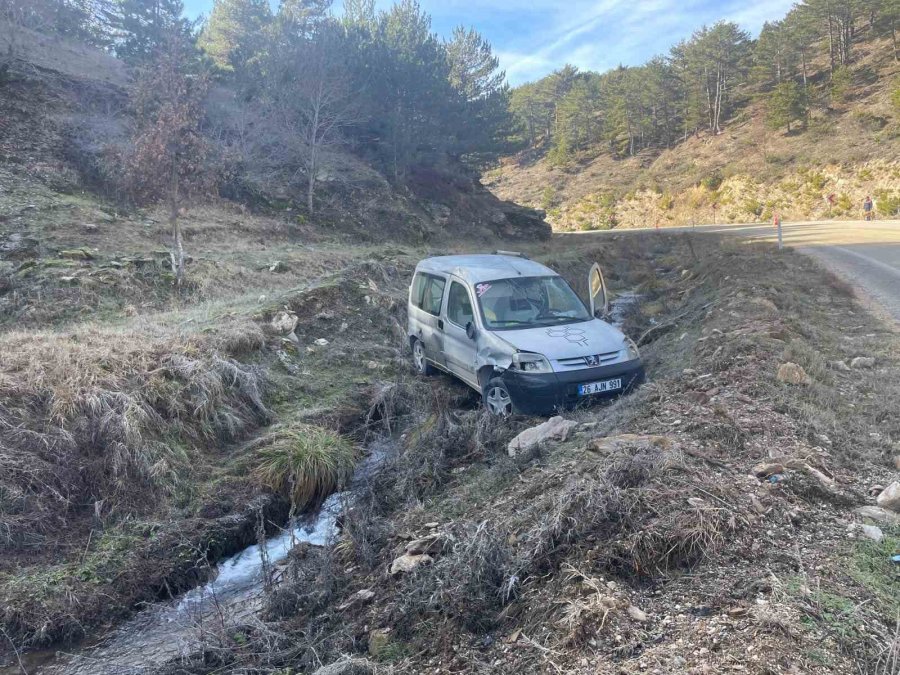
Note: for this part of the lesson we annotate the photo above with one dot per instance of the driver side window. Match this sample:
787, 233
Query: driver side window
459, 306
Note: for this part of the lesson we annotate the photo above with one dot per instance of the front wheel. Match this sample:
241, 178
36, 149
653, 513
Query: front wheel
420, 361
497, 398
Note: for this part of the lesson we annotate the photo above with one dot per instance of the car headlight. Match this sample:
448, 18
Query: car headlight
632, 349
531, 363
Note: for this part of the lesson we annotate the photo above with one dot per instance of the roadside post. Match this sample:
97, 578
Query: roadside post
777, 223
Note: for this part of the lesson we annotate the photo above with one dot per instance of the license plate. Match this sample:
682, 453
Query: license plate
599, 387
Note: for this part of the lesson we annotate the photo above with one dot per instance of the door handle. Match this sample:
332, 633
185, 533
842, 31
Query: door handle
440, 324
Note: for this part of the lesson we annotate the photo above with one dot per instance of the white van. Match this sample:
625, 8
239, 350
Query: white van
517, 333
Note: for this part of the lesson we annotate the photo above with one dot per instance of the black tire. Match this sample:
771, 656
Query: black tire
497, 399
420, 362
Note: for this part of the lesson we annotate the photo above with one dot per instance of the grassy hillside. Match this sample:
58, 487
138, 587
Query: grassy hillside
749, 171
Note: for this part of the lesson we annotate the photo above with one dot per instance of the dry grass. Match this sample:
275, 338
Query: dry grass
105, 420
305, 463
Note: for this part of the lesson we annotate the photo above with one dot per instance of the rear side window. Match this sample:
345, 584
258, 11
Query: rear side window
459, 306
427, 292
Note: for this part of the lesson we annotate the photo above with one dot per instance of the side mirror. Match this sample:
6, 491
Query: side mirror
599, 299
470, 330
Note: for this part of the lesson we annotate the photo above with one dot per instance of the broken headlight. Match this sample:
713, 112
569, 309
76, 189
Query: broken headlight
531, 363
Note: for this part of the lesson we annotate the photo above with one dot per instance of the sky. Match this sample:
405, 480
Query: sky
534, 37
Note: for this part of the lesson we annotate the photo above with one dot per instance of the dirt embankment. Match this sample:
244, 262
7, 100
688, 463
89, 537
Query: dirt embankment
707, 523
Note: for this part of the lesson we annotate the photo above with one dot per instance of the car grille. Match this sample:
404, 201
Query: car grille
589, 360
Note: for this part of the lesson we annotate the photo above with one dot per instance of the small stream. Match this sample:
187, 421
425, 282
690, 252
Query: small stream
165, 631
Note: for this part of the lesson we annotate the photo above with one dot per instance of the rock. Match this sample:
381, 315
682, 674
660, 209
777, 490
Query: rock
90, 228
765, 303
889, 499
348, 667
556, 428
875, 490
430, 544
609, 444
792, 373
766, 469
76, 254
321, 342
408, 562
293, 339
278, 267
284, 322
862, 362
325, 316
637, 614
872, 532
840, 365
878, 514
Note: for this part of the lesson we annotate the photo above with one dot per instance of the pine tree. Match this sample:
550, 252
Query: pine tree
235, 32
785, 104
145, 26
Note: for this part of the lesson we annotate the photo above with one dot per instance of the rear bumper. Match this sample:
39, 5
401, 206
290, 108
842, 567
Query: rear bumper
544, 393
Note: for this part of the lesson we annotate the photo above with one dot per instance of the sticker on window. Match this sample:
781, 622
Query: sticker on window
481, 289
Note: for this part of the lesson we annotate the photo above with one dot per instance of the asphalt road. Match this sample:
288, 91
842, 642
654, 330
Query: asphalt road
866, 254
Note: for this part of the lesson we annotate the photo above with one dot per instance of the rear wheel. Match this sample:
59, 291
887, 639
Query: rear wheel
497, 398
420, 361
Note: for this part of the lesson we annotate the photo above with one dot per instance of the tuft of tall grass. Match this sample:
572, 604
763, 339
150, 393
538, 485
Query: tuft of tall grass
305, 463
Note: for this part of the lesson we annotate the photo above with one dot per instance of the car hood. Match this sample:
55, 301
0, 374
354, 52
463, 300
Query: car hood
567, 341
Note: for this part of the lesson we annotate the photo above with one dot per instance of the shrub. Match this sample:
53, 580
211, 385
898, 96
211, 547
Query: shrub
887, 203
841, 81
713, 181
548, 197
753, 207
667, 201
305, 463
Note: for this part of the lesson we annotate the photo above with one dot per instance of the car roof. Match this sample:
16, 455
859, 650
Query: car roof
484, 267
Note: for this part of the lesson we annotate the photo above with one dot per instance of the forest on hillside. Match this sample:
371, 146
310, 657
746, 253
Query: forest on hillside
305, 85
705, 80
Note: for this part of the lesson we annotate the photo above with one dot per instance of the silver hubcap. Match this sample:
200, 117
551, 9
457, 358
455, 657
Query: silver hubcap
419, 356
498, 401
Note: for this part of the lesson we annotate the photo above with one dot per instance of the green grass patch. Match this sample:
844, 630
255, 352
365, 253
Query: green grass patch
304, 462
871, 566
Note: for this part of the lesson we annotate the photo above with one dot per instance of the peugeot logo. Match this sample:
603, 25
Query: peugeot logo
593, 360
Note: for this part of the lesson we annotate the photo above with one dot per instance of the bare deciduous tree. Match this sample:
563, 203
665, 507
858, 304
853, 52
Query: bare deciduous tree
168, 158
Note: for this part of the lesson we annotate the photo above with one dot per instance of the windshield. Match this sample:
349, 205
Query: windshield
529, 302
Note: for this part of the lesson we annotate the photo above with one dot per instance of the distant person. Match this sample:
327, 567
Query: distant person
868, 208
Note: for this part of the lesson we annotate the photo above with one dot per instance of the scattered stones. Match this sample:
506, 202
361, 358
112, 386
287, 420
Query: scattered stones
766, 469
556, 428
637, 614
878, 514
284, 322
872, 532
792, 373
889, 499
321, 342
862, 362
408, 562
325, 316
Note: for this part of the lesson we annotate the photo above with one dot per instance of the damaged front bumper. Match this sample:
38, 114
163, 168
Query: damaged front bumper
544, 393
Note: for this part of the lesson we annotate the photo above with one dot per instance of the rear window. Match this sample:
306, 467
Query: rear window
427, 292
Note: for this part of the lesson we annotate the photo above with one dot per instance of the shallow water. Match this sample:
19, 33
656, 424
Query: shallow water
166, 631
621, 305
